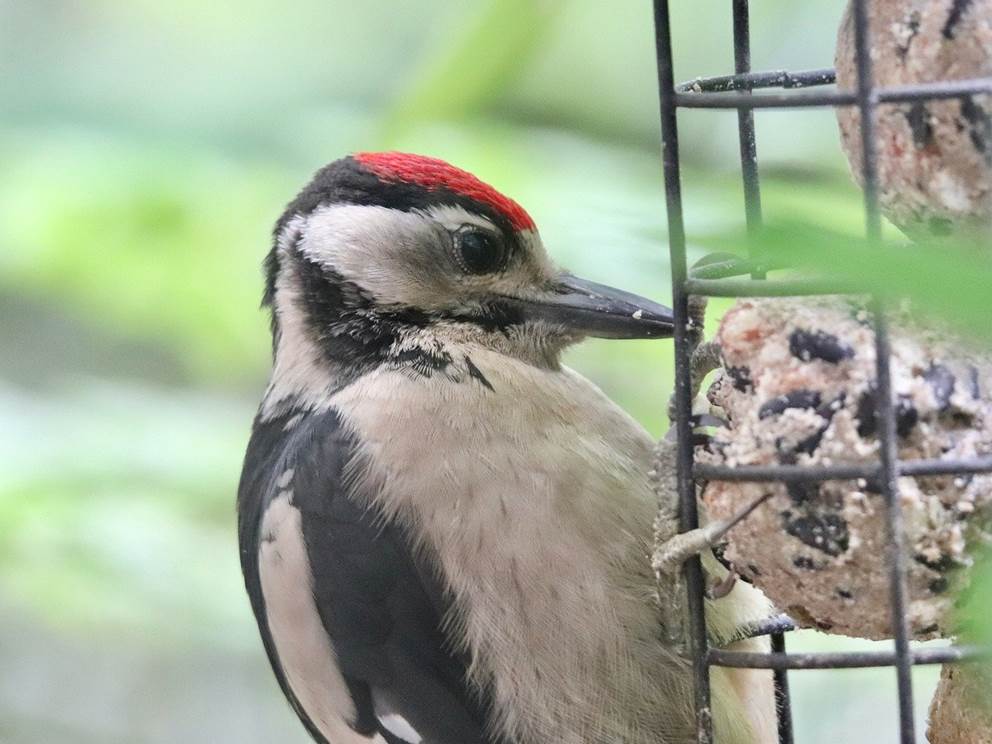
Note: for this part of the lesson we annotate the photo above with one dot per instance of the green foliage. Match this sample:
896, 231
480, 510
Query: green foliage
145, 241
975, 607
476, 64
948, 280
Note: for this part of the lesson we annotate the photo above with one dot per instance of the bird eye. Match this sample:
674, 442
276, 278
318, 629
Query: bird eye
478, 252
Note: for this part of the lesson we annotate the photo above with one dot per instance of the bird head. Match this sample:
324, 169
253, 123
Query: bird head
387, 256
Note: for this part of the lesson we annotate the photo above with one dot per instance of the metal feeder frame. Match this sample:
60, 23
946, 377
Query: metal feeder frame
735, 92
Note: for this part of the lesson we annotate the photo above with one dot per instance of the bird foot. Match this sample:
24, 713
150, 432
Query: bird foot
704, 359
672, 553
724, 587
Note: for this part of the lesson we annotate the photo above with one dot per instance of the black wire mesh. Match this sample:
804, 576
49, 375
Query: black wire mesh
735, 92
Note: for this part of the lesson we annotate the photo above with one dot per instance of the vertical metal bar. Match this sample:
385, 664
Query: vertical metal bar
753, 214
896, 552
688, 511
783, 702
867, 101
745, 128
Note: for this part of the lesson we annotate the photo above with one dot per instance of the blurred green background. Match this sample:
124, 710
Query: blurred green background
146, 149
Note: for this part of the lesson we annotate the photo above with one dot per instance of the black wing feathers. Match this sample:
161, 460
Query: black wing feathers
380, 605
265, 459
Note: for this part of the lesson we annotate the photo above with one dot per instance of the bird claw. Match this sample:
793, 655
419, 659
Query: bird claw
670, 555
705, 357
724, 587
708, 419
672, 548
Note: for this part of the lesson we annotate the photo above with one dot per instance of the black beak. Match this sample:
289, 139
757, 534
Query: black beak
591, 309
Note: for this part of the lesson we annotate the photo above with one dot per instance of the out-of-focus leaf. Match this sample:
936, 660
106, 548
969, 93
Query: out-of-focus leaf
952, 280
116, 508
143, 241
975, 608
474, 64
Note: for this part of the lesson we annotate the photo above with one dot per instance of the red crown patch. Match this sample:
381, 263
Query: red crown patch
432, 173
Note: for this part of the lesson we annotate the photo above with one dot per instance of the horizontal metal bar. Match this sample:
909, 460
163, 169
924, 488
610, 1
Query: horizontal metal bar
892, 94
756, 80
733, 266
772, 287
784, 473
933, 91
844, 659
965, 466
814, 474
767, 100
768, 626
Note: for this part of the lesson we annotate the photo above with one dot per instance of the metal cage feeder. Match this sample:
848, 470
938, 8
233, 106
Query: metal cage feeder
735, 92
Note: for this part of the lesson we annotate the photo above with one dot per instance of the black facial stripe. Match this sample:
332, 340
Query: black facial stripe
495, 316
344, 320
271, 268
355, 334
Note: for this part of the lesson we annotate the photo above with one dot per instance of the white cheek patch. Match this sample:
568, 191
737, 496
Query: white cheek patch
338, 233
302, 646
290, 232
393, 256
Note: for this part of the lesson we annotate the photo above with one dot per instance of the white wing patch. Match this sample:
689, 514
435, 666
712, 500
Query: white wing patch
397, 725
302, 645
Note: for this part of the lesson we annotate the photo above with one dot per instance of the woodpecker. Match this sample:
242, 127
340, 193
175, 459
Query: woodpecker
445, 533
